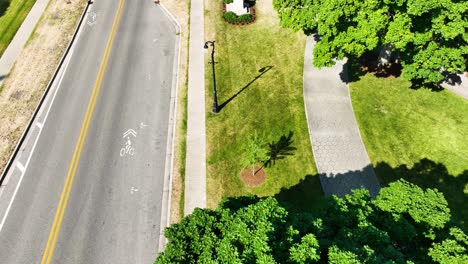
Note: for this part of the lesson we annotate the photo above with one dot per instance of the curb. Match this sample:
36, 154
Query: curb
44, 95
169, 164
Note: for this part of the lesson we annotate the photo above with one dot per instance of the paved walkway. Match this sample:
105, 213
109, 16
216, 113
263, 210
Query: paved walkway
339, 152
195, 169
22, 35
460, 88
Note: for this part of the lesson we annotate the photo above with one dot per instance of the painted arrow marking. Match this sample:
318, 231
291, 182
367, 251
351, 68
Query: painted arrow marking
130, 132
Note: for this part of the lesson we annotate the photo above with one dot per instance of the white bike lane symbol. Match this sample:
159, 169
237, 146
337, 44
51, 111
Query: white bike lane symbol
128, 149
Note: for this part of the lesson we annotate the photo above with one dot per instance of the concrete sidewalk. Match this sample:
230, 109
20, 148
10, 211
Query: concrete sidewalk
22, 35
195, 169
339, 152
460, 88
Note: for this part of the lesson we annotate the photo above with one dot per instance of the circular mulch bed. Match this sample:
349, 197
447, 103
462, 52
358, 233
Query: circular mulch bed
253, 180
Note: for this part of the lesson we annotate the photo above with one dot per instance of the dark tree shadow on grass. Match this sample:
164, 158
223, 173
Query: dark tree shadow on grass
280, 149
355, 68
429, 174
302, 197
308, 194
4, 4
262, 71
449, 78
306, 202
426, 174
351, 71
423, 84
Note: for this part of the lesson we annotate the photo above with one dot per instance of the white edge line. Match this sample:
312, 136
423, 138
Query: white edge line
70, 54
167, 191
20, 166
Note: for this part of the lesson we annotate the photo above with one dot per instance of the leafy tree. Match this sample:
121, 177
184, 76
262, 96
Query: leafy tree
357, 228
255, 152
429, 35
454, 249
227, 235
307, 251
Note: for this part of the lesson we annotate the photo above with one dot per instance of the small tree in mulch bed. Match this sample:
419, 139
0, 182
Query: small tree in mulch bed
255, 152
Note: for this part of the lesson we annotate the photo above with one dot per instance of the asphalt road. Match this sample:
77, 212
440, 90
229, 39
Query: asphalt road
112, 210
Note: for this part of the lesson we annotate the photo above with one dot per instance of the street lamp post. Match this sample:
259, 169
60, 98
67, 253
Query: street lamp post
215, 97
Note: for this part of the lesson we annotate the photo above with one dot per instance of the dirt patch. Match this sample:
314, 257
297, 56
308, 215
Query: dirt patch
33, 69
258, 177
180, 10
16, 95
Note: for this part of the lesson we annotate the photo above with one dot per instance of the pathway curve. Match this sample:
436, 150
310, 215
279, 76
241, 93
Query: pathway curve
195, 167
339, 152
19, 40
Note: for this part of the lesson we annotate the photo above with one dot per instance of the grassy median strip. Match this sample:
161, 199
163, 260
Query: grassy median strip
259, 81
33, 69
12, 15
180, 10
420, 135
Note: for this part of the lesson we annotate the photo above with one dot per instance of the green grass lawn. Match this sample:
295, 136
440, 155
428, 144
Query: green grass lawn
420, 135
12, 14
269, 102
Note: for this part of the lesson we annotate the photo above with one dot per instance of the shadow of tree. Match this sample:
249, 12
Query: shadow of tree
420, 84
426, 174
4, 6
280, 149
303, 196
451, 78
355, 68
340, 184
305, 202
351, 71
429, 174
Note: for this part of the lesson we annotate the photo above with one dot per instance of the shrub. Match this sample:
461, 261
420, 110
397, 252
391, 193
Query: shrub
230, 17
245, 18
228, 1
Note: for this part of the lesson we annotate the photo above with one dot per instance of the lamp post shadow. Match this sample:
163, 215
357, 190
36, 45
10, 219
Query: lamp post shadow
262, 72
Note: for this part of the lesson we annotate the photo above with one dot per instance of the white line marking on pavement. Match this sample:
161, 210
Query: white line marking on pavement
92, 21
133, 190
40, 131
20, 166
129, 132
39, 125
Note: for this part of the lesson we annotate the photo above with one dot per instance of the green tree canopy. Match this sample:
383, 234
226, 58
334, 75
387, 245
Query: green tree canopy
428, 35
403, 224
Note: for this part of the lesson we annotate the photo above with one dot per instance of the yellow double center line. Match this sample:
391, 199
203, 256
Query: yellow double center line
54, 231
